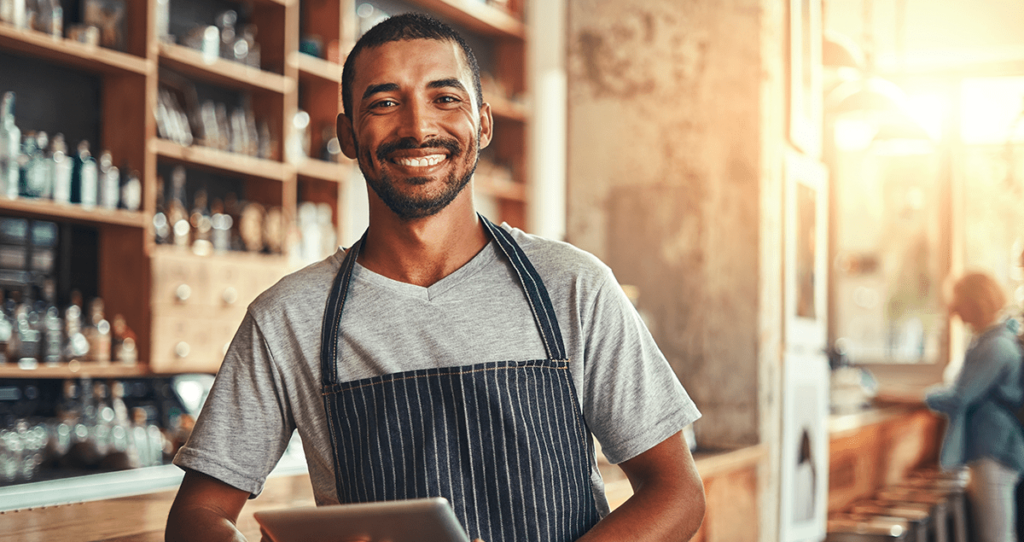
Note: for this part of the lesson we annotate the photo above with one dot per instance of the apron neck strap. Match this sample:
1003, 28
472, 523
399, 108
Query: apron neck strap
529, 279
533, 287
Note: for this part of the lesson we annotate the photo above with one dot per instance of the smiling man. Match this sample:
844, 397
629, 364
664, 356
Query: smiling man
442, 355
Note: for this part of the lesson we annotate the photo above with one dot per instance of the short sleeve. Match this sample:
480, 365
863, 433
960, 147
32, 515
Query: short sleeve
632, 397
245, 424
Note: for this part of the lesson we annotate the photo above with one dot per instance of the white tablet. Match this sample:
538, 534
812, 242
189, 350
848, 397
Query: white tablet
415, 520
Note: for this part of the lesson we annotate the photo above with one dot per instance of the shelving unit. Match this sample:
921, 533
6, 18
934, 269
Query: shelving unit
134, 272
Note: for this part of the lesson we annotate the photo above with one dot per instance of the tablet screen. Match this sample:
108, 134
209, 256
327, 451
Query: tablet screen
415, 520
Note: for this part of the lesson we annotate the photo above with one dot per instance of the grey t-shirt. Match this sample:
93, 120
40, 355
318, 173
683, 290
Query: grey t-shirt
269, 383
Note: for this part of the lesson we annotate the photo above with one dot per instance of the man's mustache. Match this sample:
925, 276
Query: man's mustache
449, 144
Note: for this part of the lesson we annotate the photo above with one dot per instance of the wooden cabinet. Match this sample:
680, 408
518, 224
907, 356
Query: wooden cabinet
184, 308
877, 448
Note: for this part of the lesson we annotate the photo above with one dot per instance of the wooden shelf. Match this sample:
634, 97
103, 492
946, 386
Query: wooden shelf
222, 72
477, 17
71, 53
75, 369
323, 171
316, 69
500, 189
221, 161
503, 108
66, 212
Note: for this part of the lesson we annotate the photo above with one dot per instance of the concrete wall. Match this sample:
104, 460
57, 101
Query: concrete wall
665, 166
675, 151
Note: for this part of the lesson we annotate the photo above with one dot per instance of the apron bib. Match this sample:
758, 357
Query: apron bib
505, 442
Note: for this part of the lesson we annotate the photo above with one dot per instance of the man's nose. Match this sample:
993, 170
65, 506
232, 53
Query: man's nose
419, 121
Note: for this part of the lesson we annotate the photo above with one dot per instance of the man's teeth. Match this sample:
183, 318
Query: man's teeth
424, 161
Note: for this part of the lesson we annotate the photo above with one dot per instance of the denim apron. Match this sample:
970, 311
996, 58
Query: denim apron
505, 442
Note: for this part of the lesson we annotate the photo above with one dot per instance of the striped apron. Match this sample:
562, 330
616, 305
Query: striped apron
505, 442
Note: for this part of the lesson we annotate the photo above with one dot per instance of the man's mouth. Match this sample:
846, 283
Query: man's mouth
419, 161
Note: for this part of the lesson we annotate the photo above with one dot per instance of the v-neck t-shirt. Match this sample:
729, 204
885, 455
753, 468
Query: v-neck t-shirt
269, 383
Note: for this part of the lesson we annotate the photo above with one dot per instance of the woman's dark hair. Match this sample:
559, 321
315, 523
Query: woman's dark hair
408, 26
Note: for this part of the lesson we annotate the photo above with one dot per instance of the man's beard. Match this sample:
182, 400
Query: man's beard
410, 207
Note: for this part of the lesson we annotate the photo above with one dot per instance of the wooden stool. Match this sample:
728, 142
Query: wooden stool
938, 506
917, 516
866, 528
953, 486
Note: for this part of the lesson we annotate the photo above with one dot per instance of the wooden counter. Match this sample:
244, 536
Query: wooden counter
878, 447
142, 518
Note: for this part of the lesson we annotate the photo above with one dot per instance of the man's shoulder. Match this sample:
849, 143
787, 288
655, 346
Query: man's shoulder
554, 258
304, 288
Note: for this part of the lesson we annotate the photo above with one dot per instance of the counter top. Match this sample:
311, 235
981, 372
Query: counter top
141, 518
838, 424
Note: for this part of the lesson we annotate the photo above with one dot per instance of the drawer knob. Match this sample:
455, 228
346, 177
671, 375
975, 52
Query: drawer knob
182, 349
229, 295
182, 293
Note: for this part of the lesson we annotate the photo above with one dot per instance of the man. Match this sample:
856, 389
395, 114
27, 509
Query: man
400, 361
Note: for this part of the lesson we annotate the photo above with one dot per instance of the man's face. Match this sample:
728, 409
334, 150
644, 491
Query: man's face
415, 129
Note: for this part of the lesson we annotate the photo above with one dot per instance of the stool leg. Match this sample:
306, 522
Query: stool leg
941, 523
959, 518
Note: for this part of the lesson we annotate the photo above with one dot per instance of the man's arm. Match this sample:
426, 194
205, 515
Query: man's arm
205, 509
667, 502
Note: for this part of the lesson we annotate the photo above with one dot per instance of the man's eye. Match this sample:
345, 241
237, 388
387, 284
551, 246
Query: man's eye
448, 99
384, 103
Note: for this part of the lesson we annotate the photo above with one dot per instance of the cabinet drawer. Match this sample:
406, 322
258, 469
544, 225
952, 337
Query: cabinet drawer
219, 282
179, 278
190, 343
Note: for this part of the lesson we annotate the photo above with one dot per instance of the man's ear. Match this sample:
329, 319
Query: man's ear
346, 136
486, 125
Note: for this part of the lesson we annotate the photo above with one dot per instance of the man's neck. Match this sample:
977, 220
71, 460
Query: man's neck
422, 251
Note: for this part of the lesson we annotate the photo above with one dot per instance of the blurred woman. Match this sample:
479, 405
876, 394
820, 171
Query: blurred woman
983, 432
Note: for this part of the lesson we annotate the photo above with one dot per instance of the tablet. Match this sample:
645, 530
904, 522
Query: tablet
414, 520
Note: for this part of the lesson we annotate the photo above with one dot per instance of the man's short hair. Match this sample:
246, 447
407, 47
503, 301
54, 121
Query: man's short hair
408, 26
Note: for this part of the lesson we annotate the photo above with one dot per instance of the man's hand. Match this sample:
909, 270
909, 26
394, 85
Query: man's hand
205, 509
667, 502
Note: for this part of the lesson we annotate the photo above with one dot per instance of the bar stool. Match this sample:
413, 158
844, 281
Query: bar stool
917, 516
953, 486
866, 528
938, 506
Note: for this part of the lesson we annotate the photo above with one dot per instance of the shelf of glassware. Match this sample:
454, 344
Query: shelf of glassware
67, 212
72, 369
90, 58
477, 17
222, 72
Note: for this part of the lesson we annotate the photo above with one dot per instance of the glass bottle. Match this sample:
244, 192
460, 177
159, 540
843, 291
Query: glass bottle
36, 171
123, 452
177, 216
53, 338
10, 147
161, 226
77, 345
26, 328
85, 178
131, 191
98, 333
63, 166
6, 328
50, 17
201, 224
109, 183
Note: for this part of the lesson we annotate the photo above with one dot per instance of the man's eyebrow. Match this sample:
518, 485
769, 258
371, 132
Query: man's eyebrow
383, 87
450, 82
